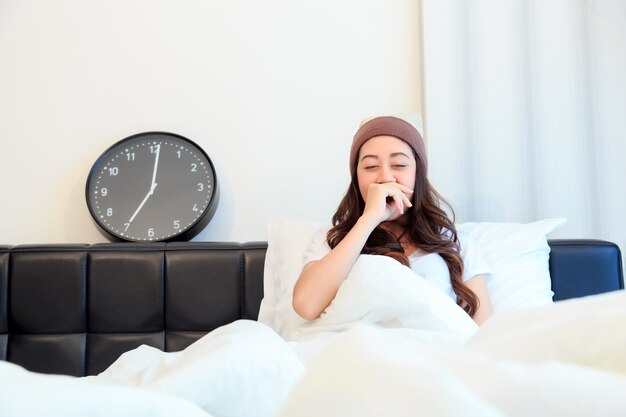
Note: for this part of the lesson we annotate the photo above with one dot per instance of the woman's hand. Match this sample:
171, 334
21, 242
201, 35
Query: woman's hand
319, 280
387, 201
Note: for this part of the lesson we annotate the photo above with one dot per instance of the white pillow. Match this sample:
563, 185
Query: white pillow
286, 243
517, 253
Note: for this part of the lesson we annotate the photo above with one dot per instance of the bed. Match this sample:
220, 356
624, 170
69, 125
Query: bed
77, 310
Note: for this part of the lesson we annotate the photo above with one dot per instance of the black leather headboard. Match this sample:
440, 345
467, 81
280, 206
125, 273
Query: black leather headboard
73, 309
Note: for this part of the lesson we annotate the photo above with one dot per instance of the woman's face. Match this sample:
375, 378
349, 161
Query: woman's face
385, 159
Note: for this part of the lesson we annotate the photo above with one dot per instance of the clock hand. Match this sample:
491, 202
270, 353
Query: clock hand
143, 202
156, 164
152, 186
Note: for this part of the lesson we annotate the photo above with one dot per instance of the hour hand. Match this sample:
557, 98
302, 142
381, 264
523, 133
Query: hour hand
153, 184
143, 202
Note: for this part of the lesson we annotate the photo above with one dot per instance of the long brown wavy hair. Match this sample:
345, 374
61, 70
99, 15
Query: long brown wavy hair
427, 227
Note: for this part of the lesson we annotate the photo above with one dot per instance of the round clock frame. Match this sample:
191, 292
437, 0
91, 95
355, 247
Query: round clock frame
152, 187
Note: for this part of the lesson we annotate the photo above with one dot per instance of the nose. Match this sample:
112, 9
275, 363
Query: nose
385, 175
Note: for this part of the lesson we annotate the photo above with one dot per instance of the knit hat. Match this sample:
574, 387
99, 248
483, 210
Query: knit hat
390, 126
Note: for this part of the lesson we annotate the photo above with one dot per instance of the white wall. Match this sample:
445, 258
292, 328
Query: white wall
272, 90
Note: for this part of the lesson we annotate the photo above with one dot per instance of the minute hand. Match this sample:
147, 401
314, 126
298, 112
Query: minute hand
152, 185
156, 164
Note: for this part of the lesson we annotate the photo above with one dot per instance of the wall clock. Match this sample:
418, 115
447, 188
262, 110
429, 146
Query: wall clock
152, 186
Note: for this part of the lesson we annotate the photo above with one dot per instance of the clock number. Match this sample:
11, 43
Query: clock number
195, 207
150, 232
176, 224
178, 153
200, 186
154, 148
130, 156
194, 167
104, 192
126, 226
113, 171
109, 212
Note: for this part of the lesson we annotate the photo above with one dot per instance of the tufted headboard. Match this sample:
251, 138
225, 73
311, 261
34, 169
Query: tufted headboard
73, 309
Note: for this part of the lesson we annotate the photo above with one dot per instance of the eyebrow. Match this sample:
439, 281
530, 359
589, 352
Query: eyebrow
391, 155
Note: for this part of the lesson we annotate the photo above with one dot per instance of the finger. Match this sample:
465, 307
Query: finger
403, 188
399, 203
400, 199
390, 198
407, 201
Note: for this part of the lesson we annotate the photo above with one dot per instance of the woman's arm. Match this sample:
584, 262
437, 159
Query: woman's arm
319, 281
478, 284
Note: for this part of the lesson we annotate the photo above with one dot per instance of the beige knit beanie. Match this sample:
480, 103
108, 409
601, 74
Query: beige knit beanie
389, 126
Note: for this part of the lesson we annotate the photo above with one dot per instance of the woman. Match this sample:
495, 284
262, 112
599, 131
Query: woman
391, 209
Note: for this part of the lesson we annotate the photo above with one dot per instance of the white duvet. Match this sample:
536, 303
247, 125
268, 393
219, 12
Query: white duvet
388, 345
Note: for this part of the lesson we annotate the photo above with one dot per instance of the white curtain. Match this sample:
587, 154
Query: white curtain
525, 111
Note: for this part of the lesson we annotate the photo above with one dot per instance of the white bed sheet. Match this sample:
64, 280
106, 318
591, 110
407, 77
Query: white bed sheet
374, 352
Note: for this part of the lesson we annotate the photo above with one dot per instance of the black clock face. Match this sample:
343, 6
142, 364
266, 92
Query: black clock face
153, 186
